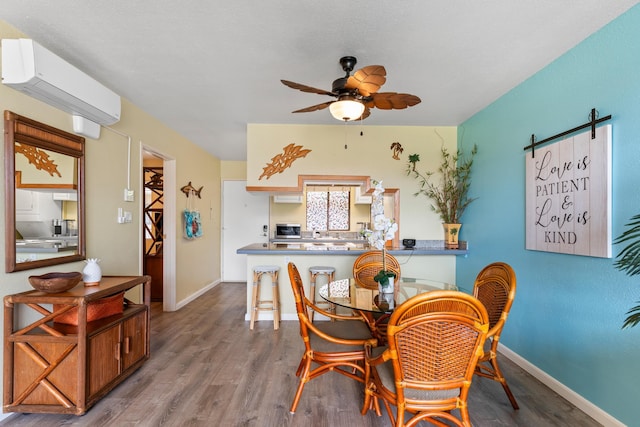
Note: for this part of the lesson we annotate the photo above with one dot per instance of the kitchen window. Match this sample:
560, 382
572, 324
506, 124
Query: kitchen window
328, 210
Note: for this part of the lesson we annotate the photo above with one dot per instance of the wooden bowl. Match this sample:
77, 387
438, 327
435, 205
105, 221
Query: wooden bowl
55, 282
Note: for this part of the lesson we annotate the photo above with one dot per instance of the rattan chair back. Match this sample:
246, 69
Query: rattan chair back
495, 287
299, 297
367, 265
434, 342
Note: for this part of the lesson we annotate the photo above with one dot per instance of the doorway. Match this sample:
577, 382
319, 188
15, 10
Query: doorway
167, 222
152, 226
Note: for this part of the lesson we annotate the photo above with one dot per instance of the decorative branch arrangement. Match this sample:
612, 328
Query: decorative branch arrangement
450, 195
280, 162
190, 189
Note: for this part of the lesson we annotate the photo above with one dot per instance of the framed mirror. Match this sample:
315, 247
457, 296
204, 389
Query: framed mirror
44, 188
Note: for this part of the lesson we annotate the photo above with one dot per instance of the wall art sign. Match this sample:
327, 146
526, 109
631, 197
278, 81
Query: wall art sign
568, 196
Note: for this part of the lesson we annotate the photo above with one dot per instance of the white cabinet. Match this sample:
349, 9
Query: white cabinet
71, 197
27, 206
361, 199
287, 198
37, 206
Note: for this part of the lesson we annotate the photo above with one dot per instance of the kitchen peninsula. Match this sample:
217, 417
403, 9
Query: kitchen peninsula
35, 249
428, 259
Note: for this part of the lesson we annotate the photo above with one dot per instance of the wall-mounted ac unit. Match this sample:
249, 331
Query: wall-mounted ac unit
32, 69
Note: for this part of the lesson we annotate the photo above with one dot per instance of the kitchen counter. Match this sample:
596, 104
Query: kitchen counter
345, 247
52, 245
320, 240
428, 259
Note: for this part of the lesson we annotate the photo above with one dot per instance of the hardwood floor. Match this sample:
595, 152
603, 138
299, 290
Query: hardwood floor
208, 369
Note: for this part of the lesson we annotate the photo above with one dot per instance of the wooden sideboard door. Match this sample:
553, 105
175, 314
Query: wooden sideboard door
104, 363
112, 351
134, 340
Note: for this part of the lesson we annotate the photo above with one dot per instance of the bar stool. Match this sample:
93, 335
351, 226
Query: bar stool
314, 272
259, 305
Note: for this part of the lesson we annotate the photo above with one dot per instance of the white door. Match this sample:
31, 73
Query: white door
245, 220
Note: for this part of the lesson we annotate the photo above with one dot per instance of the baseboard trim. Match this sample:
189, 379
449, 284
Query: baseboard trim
576, 399
194, 296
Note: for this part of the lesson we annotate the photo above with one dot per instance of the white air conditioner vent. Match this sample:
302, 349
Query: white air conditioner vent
32, 69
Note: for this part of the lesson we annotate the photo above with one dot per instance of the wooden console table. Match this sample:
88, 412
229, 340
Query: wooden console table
59, 368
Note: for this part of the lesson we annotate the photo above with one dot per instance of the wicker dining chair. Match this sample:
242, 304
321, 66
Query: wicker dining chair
365, 268
495, 287
332, 346
367, 265
434, 342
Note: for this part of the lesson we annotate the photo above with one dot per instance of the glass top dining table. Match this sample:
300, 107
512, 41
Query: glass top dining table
350, 294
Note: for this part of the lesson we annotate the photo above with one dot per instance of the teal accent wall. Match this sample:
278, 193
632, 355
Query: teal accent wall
568, 311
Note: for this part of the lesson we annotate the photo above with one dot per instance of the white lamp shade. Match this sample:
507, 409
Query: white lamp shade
346, 110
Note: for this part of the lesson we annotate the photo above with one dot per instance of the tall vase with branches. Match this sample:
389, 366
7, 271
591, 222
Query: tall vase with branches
450, 195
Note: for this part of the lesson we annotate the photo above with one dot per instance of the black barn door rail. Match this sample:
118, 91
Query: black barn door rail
593, 121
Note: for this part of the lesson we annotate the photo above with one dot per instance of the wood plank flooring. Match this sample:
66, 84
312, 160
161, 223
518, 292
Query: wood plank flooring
208, 369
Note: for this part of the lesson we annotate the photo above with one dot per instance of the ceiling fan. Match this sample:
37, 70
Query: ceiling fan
356, 94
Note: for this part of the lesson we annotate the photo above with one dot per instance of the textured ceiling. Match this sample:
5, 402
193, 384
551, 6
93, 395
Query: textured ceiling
206, 68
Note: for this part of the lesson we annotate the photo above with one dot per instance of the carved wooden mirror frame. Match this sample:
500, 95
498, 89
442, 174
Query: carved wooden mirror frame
19, 129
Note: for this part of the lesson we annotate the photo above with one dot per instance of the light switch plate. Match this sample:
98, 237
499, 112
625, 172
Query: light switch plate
128, 195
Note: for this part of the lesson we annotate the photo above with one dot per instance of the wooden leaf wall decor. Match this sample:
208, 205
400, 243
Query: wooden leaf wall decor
38, 158
282, 161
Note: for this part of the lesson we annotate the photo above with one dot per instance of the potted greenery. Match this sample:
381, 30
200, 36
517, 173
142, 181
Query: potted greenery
628, 260
450, 194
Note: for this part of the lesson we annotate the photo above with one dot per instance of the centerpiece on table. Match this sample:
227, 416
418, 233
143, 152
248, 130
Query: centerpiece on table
384, 229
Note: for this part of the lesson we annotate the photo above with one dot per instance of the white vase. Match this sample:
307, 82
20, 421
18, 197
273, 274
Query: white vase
388, 288
91, 273
386, 295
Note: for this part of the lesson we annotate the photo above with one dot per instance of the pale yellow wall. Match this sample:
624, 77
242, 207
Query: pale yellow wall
368, 154
197, 260
233, 170
285, 213
119, 245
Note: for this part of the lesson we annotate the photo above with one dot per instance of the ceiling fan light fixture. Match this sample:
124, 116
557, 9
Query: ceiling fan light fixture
346, 109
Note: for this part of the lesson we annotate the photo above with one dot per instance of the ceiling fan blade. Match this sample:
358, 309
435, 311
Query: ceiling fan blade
392, 101
305, 88
367, 80
314, 107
